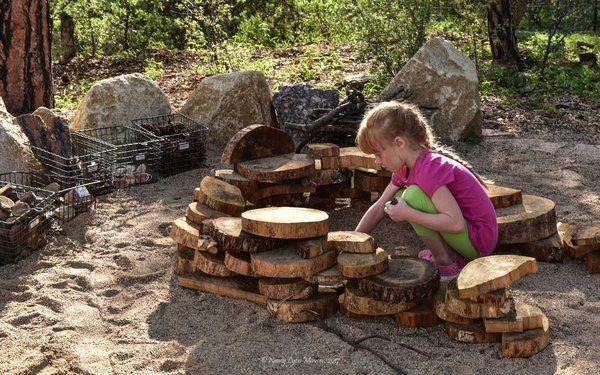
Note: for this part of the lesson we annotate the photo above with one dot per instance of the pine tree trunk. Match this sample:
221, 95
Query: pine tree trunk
25, 56
67, 37
501, 31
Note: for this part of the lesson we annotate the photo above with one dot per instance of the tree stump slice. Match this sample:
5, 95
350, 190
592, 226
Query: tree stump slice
197, 194
277, 168
312, 247
298, 311
548, 249
439, 307
567, 232
471, 333
284, 262
282, 189
331, 275
421, 316
212, 264
498, 297
470, 309
508, 323
286, 222
406, 279
533, 219
350, 314
358, 303
328, 177
587, 235
247, 187
288, 200
486, 274
185, 233
592, 262
240, 264
503, 197
221, 196
197, 213
531, 316
351, 242
363, 265
319, 150
228, 233
236, 286
286, 289
185, 260
526, 343
369, 181
256, 142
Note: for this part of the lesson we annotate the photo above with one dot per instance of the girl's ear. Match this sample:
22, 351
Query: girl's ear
400, 142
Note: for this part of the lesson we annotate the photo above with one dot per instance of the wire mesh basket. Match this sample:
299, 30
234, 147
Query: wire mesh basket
91, 160
25, 214
137, 153
183, 141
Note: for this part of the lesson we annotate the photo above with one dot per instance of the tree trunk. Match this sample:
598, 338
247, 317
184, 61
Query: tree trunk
501, 30
25, 56
67, 37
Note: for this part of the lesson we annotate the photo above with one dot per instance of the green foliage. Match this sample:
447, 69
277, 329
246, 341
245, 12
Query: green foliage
154, 69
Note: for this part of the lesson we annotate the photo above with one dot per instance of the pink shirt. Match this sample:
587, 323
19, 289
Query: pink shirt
432, 171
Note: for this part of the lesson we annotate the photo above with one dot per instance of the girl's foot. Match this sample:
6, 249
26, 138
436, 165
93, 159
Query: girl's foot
426, 254
447, 271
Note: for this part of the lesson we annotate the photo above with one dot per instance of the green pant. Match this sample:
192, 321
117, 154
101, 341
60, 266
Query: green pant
416, 198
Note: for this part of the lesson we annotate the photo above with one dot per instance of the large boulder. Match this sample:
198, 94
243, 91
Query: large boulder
294, 103
14, 155
443, 81
118, 100
227, 103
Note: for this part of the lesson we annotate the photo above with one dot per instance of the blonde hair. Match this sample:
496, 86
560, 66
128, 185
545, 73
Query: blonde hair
389, 120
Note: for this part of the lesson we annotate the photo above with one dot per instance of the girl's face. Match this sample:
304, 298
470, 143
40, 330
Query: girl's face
390, 156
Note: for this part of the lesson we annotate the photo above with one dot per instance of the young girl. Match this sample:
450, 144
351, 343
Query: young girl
443, 200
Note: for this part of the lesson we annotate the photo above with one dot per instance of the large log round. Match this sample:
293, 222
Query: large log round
406, 279
529, 221
362, 265
277, 168
228, 233
357, 302
286, 222
502, 197
284, 262
256, 142
321, 305
221, 196
286, 289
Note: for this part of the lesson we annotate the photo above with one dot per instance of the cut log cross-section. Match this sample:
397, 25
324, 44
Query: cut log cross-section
197, 213
319, 150
533, 219
351, 242
521, 317
421, 316
587, 235
286, 289
277, 168
362, 265
468, 308
357, 302
235, 287
321, 305
221, 196
281, 189
313, 247
188, 234
550, 249
442, 312
256, 142
567, 233
240, 264
406, 279
286, 222
212, 264
247, 187
349, 157
369, 180
502, 197
471, 333
284, 262
227, 232
526, 343
331, 275
494, 272
328, 177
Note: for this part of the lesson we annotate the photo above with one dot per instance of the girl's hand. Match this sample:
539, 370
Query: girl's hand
398, 211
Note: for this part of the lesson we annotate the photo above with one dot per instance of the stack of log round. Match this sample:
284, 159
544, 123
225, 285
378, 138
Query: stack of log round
477, 306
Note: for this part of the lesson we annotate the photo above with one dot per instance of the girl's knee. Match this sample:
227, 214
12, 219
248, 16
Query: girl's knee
412, 194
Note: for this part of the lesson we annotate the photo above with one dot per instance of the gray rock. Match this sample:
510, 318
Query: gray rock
14, 154
226, 103
294, 103
118, 100
441, 77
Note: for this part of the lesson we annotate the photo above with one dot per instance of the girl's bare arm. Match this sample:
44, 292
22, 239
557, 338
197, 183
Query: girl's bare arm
375, 213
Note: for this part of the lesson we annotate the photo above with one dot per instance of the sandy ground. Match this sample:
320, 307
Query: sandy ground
102, 297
